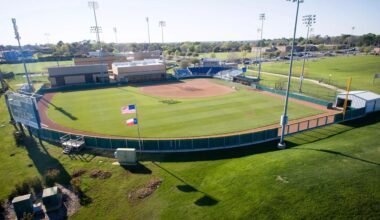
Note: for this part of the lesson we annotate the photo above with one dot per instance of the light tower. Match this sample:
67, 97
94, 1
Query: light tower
115, 32
261, 18
147, 23
97, 29
17, 36
308, 20
162, 24
284, 117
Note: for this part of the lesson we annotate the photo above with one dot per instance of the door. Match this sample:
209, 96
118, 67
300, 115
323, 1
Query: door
60, 81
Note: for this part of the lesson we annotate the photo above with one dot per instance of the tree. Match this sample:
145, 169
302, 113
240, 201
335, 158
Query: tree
184, 63
195, 61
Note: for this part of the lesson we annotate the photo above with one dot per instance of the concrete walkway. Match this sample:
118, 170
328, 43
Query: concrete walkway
309, 80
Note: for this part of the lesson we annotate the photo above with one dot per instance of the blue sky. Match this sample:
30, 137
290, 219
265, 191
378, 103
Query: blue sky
192, 20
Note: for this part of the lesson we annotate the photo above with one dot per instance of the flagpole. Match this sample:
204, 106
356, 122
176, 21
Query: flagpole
138, 128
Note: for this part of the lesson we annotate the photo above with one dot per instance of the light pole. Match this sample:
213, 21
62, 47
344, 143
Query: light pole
97, 29
261, 18
17, 36
308, 20
115, 32
162, 24
147, 22
284, 117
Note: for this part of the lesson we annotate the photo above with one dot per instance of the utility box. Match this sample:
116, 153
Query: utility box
52, 198
23, 205
126, 156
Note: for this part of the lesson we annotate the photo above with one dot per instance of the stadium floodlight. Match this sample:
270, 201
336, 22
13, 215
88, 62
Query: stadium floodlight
147, 22
96, 29
115, 32
284, 117
162, 24
17, 36
261, 18
308, 20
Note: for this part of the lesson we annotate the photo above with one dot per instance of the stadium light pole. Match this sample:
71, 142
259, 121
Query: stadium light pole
162, 24
308, 20
17, 36
97, 29
115, 32
147, 23
284, 117
261, 18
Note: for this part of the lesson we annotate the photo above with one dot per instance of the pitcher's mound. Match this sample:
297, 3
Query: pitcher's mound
188, 89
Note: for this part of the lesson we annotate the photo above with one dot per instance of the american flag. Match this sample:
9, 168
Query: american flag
129, 109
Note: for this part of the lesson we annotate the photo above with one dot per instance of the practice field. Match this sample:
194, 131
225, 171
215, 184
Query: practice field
33, 67
360, 68
98, 111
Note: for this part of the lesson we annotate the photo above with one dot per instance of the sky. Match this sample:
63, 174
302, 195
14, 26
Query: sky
48, 21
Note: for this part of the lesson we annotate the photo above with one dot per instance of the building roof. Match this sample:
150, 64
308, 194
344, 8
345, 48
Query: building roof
21, 198
145, 62
50, 192
365, 95
79, 69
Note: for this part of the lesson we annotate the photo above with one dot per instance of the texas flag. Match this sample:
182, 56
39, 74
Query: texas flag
129, 109
131, 122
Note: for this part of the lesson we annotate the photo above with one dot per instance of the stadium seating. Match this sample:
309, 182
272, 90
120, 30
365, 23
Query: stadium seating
199, 71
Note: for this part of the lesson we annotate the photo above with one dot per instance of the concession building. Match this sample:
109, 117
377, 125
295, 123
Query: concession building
82, 74
139, 71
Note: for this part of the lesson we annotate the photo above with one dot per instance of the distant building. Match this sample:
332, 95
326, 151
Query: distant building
142, 55
376, 50
96, 60
210, 62
73, 75
139, 71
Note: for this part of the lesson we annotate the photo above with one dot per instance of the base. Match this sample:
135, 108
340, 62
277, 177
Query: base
281, 145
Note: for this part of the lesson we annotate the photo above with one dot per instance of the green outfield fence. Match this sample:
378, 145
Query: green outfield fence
164, 145
200, 144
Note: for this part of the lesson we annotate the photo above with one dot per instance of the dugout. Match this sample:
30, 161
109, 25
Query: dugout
245, 80
139, 71
359, 99
74, 75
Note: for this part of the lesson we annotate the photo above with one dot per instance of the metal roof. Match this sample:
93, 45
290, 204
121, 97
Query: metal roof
21, 198
365, 95
50, 191
78, 69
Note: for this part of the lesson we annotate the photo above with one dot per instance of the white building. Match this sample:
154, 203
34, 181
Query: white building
360, 99
139, 71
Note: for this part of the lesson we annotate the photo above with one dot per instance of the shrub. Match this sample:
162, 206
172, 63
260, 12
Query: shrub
51, 176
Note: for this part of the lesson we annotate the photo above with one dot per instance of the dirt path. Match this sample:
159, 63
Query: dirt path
46, 122
309, 80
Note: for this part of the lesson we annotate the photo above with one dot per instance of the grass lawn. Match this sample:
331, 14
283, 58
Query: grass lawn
32, 67
99, 111
360, 68
327, 173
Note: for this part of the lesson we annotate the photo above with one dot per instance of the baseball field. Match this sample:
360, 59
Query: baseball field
190, 108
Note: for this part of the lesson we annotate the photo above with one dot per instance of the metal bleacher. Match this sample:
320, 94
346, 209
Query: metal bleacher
71, 143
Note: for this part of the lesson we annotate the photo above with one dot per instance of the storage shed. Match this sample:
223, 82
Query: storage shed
23, 205
360, 99
52, 198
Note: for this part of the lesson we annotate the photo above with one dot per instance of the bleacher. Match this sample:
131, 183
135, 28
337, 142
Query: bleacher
198, 71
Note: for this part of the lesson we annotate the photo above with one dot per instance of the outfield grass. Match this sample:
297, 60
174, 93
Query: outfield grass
360, 68
99, 111
32, 67
328, 173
